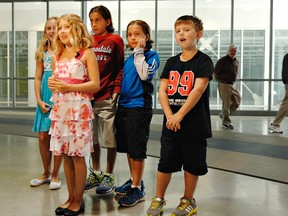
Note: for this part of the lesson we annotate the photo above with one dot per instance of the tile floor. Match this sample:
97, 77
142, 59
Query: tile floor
247, 172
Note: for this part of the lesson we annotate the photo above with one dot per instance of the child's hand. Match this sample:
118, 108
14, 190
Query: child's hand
173, 122
56, 85
141, 43
114, 96
44, 107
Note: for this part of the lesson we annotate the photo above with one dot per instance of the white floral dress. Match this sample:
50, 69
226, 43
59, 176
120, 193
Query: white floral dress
71, 128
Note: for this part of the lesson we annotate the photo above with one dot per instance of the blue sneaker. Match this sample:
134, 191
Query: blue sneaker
133, 196
107, 184
123, 189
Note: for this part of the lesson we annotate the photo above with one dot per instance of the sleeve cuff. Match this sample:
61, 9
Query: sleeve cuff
138, 50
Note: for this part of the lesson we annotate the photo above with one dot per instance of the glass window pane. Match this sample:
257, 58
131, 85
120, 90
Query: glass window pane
253, 55
252, 33
132, 10
252, 20
21, 54
280, 36
208, 12
64, 7
21, 92
5, 28
26, 43
216, 37
166, 44
277, 94
214, 98
4, 58
5, 53
5, 100
216, 28
252, 93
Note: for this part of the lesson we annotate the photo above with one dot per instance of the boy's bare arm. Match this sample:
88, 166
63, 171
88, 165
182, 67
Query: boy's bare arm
163, 98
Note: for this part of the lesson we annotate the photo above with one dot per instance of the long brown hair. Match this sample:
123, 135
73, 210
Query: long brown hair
105, 13
147, 31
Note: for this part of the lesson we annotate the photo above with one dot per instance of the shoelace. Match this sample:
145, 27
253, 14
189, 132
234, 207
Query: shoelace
107, 181
127, 184
91, 177
184, 204
157, 204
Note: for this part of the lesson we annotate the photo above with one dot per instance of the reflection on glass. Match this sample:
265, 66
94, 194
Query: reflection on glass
253, 54
252, 95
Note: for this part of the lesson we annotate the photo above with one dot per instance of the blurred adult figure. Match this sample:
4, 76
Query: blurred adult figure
283, 109
226, 72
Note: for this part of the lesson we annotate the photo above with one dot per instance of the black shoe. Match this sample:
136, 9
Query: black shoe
227, 125
60, 211
69, 212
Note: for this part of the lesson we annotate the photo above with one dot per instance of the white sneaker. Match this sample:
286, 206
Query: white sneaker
275, 129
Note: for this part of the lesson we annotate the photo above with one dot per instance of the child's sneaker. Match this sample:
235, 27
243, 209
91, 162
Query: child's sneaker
123, 189
185, 208
94, 179
156, 207
134, 196
107, 184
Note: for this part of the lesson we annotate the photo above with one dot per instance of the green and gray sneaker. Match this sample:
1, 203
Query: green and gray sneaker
94, 179
156, 207
107, 184
185, 208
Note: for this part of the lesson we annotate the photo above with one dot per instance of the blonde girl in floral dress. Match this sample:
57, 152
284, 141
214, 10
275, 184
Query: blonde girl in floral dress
75, 79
